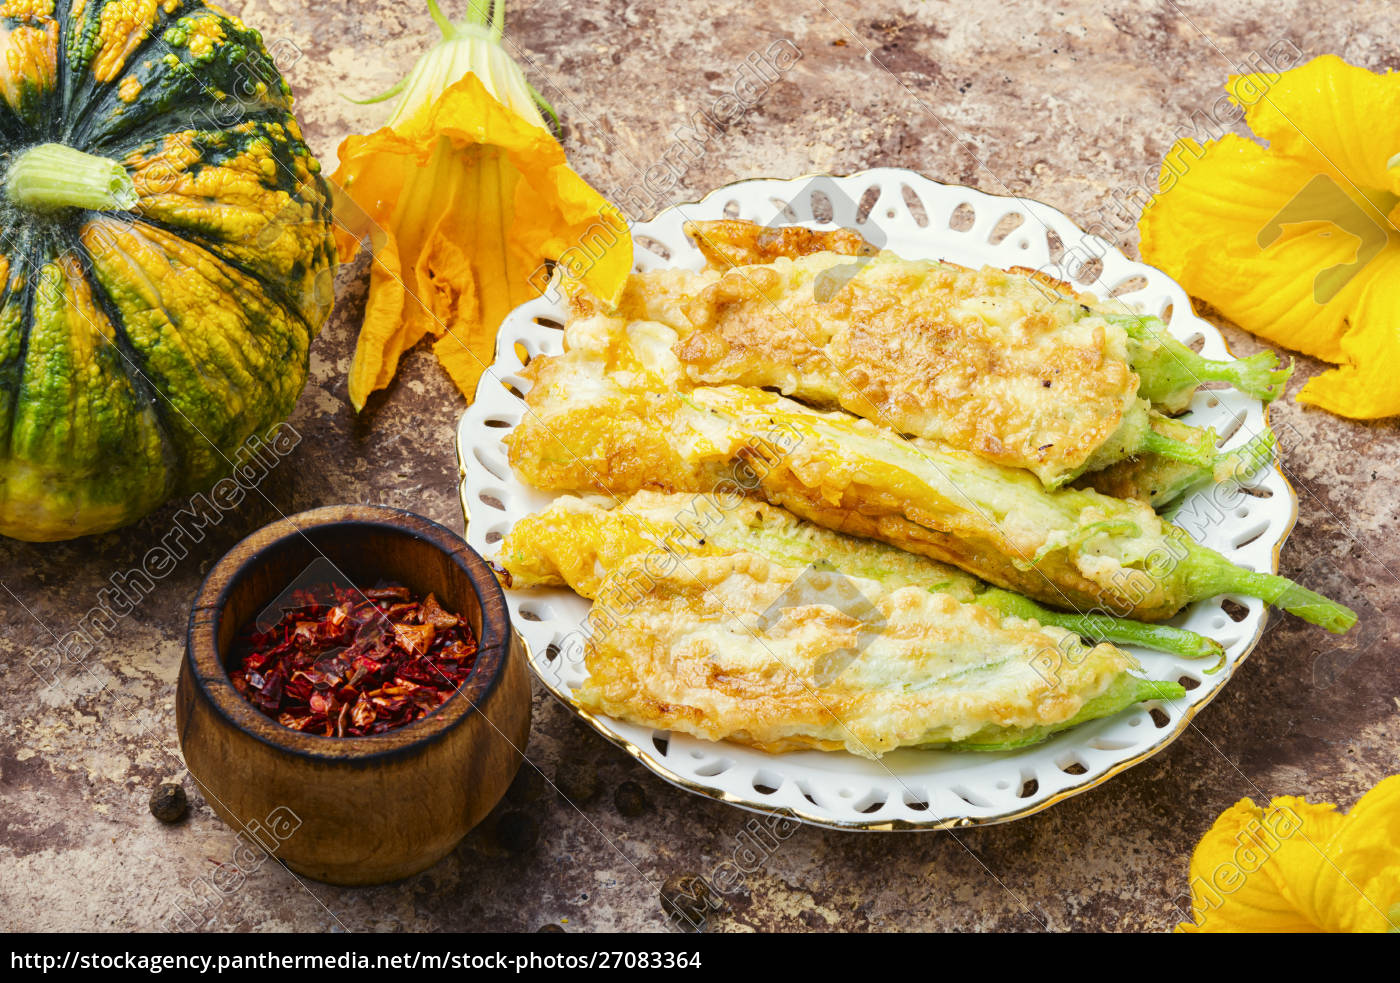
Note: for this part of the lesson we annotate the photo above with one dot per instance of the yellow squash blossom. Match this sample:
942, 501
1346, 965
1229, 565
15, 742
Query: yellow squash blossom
466, 200
1300, 242
1300, 867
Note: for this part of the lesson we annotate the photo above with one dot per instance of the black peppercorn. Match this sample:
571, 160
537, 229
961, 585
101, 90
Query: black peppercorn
630, 799
687, 900
168, 803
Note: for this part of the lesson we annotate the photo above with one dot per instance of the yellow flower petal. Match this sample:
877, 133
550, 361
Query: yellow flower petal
1348, 880
387, 331
469, 204
462, 358
395, 318
1339, 118
1306, 828
1205, 230
1295, 242
1366, 386
1300, 867
549, 210
1230, 892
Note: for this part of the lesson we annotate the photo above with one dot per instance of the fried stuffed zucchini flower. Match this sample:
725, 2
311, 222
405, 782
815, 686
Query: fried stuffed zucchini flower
716, 622
1019, 371
578, 542
612, 431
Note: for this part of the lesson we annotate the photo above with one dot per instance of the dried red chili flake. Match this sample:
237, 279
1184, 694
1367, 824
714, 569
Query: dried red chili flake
346, 662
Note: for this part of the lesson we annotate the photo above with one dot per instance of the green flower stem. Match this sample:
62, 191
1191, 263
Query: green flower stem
1170, 372
1244, 461
1170, 480
52, 176
1122, 694
1212, 574
440, 19
1176, 450
1258, 375
1105, 628
472, 45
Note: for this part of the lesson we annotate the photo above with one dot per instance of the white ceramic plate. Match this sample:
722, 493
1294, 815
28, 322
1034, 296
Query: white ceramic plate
907, 789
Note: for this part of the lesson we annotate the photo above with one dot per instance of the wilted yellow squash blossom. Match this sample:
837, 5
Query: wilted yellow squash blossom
467, 202
1298, 242
1300, 867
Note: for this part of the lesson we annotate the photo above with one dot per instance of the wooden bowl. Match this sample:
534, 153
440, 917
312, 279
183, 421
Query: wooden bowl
353, 810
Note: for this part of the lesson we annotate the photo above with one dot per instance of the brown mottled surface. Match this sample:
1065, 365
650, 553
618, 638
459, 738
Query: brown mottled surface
1066, 102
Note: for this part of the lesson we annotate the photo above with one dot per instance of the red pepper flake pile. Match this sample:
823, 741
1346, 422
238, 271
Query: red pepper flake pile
345, 662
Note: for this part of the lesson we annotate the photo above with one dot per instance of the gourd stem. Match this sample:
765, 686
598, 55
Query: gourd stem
52, 176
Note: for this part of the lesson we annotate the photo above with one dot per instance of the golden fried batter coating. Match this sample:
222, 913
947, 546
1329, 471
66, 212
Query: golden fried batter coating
738, 648
982, 360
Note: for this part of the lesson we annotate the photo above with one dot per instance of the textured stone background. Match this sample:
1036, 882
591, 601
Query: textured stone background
1066, 102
